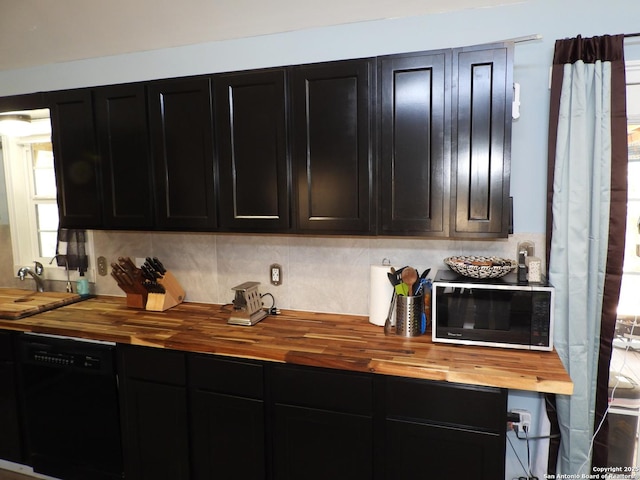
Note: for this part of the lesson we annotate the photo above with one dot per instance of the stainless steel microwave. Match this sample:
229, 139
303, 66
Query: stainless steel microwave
496, 312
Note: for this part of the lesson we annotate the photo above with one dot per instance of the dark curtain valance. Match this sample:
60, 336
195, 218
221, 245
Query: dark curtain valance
607, 48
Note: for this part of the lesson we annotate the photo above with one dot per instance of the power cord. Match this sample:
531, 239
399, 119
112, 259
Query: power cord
527, 469
271, 310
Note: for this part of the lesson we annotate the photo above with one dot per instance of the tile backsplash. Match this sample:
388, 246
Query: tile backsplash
322, 274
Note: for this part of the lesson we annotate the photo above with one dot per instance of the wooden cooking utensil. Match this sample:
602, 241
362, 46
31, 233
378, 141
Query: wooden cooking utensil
410, 277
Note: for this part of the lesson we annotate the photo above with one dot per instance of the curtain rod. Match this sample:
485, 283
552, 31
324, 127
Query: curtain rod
527, 38
631, 35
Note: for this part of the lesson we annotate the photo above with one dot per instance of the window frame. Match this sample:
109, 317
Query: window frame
21, 206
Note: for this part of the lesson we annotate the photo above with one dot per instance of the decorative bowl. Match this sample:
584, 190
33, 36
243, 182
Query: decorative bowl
480, 267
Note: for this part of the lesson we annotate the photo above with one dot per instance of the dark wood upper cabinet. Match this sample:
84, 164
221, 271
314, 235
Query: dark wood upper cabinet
250, 115
414, 144
415, 139
181, 130
121, 121
332, 146
481, 132
76, 160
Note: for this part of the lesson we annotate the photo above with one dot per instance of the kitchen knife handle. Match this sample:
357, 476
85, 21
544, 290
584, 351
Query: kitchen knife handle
159, 266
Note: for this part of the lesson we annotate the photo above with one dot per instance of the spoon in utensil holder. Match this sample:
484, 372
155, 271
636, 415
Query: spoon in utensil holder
410, 277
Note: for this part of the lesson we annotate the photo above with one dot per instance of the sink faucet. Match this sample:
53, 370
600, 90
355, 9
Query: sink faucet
35, 274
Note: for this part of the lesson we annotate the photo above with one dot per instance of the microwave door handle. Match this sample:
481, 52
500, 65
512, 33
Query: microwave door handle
459, 302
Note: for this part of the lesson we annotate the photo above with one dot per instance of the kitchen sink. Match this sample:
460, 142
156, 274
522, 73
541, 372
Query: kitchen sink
17, 303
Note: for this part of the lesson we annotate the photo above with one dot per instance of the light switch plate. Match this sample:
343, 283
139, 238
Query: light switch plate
102, 266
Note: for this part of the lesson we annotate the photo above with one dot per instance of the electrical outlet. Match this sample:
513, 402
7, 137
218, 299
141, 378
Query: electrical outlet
524, 424
527, 246
275, 274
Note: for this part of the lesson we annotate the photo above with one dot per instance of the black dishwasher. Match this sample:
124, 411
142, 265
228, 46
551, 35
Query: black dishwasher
71, 408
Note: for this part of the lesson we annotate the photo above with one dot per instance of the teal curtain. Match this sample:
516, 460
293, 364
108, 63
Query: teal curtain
580, 252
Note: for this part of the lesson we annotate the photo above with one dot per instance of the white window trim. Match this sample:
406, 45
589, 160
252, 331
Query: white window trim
632, 74
628, 304
22, 218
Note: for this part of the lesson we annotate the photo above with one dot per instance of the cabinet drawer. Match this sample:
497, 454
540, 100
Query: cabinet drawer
324, 389
153, 364
484, 408
228, 376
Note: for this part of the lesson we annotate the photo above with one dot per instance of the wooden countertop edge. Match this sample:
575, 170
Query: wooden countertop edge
372, 353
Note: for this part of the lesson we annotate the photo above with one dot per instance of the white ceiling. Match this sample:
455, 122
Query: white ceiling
40, 32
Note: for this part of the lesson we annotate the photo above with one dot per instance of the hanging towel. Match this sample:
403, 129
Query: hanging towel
71, 251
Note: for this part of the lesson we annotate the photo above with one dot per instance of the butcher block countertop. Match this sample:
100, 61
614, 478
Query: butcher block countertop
17, 303
345, 342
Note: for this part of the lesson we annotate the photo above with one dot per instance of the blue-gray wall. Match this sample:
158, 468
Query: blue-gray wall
552, 19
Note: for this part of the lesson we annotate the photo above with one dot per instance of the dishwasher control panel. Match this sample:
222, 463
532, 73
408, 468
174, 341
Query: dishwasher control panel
63, 359
65, 353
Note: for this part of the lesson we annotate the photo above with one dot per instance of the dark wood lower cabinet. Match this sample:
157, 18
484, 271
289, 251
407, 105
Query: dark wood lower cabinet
204, 417
10, 434
154, 413
317, 444
227, 418
323, 424
443, 430
157, 445
228, 436
419, 450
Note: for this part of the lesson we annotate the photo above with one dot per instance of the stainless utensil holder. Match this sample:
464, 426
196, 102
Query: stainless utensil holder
409, 316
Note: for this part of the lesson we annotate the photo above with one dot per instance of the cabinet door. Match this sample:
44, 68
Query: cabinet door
227, 418
181, 129
121, 122
10, 434
332, 145
417, 450
318, 444
77, 164
154, 413
252, 154
228, 436
414, 143
447, 426
481, 151
323, 424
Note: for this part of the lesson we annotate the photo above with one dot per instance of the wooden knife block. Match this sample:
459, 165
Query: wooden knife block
136, 300
173, 295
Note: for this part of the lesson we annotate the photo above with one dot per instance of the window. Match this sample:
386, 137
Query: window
629, 300
624, 375
31, 196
